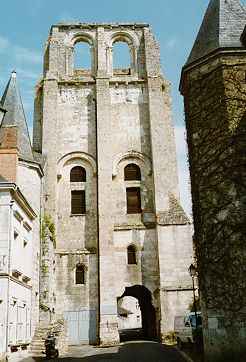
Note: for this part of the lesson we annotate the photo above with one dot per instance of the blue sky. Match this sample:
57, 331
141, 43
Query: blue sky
25, 25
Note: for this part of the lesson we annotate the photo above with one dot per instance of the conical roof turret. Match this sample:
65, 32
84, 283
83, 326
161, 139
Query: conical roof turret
222, 26
15, 116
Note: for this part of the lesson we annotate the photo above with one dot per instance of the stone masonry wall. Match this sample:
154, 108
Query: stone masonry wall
215, 117
102, 121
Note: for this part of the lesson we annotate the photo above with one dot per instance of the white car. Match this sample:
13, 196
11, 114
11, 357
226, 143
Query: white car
186, 328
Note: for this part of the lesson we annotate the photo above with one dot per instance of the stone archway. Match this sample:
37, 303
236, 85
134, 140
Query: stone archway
144, 297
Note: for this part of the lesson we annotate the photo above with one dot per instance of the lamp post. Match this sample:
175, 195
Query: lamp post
193, 271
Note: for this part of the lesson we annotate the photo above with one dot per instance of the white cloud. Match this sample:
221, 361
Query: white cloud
27, 55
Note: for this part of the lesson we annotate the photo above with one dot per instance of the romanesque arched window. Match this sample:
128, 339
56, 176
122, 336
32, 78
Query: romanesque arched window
121, 58
82, 56
78, 174
132, 172
131, 255
80, 274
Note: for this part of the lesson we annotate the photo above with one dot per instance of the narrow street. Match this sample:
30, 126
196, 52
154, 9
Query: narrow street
134, 351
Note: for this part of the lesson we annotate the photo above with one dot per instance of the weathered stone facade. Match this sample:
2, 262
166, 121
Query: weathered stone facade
213, 85
20, 209
102, 120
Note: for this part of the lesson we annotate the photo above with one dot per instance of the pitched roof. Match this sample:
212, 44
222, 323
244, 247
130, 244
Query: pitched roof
15, 116
222, 27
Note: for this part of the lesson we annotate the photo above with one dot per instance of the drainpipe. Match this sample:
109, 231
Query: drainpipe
10, 233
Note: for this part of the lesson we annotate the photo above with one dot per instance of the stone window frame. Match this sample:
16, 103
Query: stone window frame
137, 184
73, 159
82, 37
145, 165
78, 186
132, 41
135, 258
84, 274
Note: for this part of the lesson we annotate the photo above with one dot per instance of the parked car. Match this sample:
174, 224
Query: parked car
186, 329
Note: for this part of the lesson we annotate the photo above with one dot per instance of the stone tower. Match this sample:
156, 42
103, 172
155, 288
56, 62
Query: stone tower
111, 185
213, 85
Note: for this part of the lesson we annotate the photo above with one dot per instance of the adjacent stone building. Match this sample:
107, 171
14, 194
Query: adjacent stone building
213, 85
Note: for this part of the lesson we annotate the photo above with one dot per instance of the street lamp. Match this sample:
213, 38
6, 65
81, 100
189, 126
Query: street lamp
193, 272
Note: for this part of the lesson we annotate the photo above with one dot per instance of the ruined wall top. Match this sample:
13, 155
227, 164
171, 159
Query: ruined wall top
101, 37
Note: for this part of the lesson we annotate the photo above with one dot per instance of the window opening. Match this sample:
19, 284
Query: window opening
133, 200
121, 58
78, 202
82, 56
80, 274
78, 174
131, 255
132, 172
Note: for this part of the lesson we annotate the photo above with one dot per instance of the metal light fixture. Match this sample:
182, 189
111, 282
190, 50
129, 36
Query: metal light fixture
192, 270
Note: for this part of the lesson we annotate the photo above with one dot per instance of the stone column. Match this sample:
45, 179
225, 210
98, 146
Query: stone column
108, 329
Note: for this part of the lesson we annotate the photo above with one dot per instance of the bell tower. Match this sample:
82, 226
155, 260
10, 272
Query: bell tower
111, 182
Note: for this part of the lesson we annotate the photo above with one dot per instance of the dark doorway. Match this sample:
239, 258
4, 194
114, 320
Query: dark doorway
148, 314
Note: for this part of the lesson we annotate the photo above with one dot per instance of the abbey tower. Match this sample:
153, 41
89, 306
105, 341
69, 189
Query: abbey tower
110, 186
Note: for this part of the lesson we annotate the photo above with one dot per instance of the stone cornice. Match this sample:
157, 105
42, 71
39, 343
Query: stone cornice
19, 197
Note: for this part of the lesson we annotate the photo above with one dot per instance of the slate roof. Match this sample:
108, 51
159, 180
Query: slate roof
222, 26
15, 116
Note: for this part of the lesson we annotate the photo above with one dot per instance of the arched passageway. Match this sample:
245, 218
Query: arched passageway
148, 314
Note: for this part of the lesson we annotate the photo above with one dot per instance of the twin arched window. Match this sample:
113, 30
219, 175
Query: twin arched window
122, 56
131, 255
78, 200
80, 274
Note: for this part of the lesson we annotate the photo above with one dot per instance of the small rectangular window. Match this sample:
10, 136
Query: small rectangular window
133, 199
78, 202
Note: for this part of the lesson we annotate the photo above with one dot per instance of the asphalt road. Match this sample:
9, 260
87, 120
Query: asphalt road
134, 351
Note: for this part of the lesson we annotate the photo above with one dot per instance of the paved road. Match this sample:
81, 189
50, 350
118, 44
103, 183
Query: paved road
135, 351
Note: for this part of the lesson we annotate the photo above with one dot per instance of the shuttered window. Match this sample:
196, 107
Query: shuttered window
131, 255
80, 274
132, 172
78, 202
78, 174
133, 200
